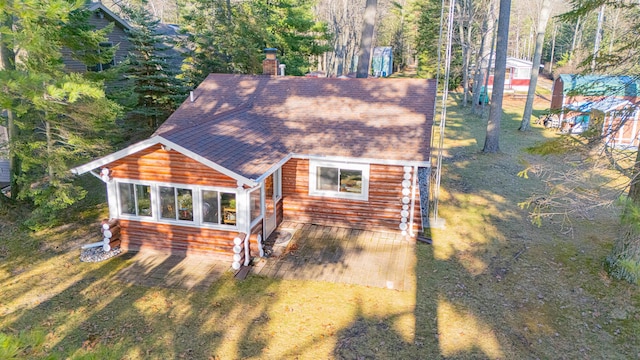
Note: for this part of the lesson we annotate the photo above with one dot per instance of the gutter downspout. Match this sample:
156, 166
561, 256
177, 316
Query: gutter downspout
246, 249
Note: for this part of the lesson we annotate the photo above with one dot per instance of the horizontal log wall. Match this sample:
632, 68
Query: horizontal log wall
156, 164
380, 212
176, 239
279, 212
253, 239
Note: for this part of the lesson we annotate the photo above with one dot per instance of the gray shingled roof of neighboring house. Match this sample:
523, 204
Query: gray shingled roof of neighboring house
248, 123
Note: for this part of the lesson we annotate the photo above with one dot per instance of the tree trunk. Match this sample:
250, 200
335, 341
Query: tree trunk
634, 188
492, 140
553, 48
525, 125
7, 63
493, 46
481, 65
366, 40
575, 39
596, 44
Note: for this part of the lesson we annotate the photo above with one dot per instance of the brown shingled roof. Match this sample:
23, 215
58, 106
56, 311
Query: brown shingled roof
248, 123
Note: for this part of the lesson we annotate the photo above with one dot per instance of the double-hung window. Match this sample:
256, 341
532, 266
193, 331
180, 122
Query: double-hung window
340, 180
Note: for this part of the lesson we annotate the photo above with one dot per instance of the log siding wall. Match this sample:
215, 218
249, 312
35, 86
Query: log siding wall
380, 212
155, 164
176, 239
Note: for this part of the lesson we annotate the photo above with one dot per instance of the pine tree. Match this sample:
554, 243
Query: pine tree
152, 71
230, 37
59, 118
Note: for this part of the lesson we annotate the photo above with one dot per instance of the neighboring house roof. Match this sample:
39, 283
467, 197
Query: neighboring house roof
168, 29
248, 124
604, 105
109, 14
518, 63
513, 62
599, 85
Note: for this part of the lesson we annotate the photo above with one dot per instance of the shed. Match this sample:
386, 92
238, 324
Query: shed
382, 62
572, 88
617, 120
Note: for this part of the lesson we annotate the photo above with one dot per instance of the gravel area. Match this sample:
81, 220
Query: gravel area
96, 254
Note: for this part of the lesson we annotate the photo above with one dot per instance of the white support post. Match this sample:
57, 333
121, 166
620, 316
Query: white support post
112, 199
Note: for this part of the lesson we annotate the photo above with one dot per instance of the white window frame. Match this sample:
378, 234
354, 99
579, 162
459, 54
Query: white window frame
135, 201
277, 184
522, 73
313, 185
259, 218
196, 191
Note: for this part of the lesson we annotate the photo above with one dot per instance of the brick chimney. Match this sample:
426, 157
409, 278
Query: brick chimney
270, 64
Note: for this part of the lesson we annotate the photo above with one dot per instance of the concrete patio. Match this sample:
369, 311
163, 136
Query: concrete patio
341, 255
298, 251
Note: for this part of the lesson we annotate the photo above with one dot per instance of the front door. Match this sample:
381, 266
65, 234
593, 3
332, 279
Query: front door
270, 204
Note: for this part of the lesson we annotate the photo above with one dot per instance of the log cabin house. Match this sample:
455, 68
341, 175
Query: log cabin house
244, 152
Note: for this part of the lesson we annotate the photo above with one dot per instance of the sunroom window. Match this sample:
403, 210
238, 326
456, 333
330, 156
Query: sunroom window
135, 199
255, 204
218, 207
342, 180
186, 204
176, 203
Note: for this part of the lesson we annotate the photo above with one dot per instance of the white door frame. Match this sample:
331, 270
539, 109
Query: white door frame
271, 196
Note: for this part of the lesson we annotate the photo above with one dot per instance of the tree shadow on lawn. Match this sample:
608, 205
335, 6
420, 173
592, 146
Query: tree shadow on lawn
495, 286
99, 317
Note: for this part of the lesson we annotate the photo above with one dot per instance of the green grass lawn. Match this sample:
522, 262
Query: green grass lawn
492, 285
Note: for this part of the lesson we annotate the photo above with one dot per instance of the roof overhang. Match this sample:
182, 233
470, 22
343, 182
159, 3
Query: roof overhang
603, 105
279, 164
99, 6
82, 169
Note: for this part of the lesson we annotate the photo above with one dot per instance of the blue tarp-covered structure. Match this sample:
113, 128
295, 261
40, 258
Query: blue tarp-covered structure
382, 62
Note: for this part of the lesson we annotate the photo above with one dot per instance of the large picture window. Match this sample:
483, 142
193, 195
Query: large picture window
342, 180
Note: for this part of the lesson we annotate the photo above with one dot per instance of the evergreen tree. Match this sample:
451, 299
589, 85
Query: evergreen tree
230, 37
152, 71
59, 118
